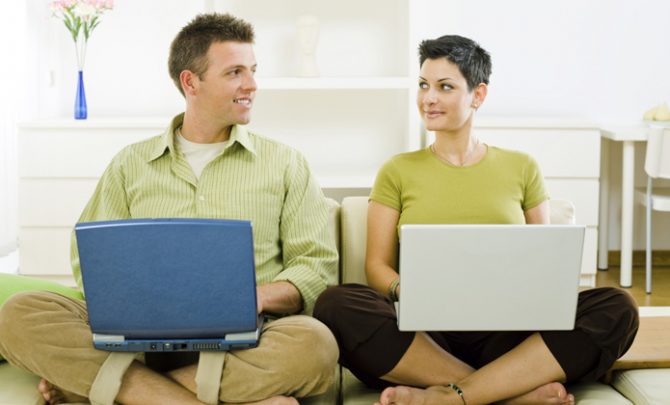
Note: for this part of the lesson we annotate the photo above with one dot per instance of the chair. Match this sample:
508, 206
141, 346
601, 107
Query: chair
657, 166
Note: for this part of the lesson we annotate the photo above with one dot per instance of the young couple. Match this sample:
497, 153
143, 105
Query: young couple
207, 165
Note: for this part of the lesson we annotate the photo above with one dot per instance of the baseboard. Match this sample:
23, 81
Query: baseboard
659, 258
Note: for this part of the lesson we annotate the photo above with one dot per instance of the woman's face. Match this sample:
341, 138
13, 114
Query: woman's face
444, 102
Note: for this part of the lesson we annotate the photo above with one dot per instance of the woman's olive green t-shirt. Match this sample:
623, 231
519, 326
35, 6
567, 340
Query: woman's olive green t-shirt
426, 190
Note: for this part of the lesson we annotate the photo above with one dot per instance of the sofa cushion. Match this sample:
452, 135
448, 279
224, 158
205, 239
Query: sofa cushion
18, 387
355, 392
645, 386
597, 394
11, 284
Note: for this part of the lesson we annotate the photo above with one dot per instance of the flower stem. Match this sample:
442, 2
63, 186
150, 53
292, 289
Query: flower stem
80, 48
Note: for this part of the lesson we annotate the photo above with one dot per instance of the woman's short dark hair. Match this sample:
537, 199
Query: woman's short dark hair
472, 60
189, 48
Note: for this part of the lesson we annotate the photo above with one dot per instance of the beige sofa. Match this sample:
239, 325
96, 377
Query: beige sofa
348, 222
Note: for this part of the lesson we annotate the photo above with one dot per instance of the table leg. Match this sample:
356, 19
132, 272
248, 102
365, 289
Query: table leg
603, 210
627, 195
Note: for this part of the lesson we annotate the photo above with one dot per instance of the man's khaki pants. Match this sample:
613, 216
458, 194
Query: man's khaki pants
48, 334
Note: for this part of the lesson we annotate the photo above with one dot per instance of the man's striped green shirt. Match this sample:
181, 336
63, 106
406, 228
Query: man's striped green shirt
254, 179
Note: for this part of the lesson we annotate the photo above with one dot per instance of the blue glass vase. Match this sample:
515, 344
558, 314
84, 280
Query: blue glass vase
80, 111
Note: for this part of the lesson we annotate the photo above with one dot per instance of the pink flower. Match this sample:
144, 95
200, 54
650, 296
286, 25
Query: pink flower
80, 18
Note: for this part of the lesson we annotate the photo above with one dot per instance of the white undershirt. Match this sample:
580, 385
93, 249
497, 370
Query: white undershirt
198, 155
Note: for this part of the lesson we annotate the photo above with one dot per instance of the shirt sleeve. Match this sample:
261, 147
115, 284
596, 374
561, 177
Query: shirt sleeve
534, 190
309, 253
109, 202
386, 189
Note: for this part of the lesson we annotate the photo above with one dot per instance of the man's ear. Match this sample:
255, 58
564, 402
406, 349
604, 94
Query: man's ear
189, 82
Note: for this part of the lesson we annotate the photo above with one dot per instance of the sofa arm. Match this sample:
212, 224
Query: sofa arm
354, 212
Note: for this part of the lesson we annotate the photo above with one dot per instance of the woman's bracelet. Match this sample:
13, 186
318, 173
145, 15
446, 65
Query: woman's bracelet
458, 391
393, 287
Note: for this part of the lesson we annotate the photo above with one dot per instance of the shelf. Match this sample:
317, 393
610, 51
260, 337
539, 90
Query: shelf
98, 122
332, 83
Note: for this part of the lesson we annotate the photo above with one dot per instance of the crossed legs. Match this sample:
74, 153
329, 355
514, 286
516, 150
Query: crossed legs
514, 367
142, 385
526, 375
48, 334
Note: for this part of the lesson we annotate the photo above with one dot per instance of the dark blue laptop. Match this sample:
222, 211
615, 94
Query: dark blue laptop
157, 285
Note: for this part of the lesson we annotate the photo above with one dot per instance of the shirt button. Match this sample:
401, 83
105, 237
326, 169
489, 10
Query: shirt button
201, 198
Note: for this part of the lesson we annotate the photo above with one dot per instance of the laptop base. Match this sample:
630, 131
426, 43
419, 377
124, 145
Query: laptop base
204, 345
232, 341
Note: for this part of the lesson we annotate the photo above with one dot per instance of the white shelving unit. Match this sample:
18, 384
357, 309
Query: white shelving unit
60, 162
365, 78
348, 121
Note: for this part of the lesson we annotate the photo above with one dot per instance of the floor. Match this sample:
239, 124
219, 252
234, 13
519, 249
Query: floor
660, 295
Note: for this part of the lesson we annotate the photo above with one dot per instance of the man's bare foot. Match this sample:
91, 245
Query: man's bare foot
552, 393
54, 395
278, 400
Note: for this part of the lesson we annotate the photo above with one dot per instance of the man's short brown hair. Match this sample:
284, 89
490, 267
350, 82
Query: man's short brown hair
189, 48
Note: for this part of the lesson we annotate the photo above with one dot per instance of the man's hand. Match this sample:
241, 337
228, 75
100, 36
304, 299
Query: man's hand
280, 297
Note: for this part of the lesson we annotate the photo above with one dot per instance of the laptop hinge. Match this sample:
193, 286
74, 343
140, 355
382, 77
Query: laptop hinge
97, 337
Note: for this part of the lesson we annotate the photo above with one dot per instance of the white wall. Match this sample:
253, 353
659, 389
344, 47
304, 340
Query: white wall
126, 62
603, 60
606, 61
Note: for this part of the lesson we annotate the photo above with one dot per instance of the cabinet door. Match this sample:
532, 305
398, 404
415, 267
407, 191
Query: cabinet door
73, 153
566, 153
53, 202
59, 167
45, 251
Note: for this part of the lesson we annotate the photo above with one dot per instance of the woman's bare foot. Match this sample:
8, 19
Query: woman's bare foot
552, 393
54, 395
414, 396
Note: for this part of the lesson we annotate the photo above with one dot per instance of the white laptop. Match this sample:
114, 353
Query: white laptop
489, 277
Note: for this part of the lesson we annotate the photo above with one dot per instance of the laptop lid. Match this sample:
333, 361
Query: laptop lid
167, 284
489, 277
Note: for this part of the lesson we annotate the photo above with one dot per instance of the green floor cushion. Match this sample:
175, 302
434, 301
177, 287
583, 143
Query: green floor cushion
11, 284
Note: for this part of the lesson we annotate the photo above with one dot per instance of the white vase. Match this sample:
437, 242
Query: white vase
308, 38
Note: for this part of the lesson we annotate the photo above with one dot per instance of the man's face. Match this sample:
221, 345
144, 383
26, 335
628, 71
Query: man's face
225, 93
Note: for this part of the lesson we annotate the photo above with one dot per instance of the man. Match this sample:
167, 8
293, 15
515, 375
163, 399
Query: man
205, 166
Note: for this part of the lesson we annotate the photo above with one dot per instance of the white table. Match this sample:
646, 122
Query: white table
628, 135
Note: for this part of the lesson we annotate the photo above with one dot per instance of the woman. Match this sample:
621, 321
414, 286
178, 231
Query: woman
459, 179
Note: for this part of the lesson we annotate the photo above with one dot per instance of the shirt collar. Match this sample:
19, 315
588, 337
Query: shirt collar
238, 134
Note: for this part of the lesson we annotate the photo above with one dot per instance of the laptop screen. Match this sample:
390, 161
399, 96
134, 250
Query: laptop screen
168, 278
489, 277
